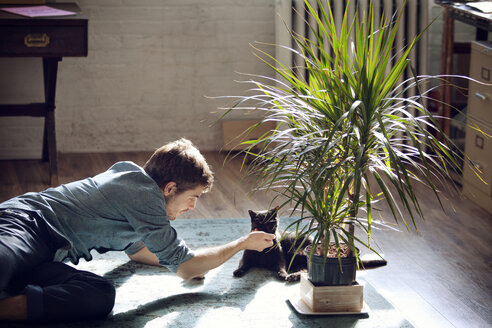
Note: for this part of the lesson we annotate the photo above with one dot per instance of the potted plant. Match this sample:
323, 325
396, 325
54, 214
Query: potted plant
346, 137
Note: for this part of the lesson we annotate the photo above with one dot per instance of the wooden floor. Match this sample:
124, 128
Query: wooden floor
438, 277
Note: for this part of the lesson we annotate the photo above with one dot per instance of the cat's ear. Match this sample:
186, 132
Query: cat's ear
251, 214
274, 210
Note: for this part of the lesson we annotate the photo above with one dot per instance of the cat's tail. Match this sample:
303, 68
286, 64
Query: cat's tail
372, 261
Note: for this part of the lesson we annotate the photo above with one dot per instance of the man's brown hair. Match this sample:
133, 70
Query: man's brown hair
179, 161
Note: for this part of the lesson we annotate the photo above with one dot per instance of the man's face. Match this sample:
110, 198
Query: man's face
178, 203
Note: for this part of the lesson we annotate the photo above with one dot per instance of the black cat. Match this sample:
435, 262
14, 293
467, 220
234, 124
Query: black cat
278, 257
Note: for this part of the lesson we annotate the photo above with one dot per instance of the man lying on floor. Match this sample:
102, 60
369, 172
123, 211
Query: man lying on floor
125, 208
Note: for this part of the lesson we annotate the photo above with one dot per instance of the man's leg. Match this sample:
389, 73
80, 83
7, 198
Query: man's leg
22, 245
42, 287
56, 292
21, 248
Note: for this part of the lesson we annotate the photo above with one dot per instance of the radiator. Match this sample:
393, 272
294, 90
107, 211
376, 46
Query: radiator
291, 15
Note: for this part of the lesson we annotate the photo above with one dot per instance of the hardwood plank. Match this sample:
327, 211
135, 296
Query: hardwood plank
405, 298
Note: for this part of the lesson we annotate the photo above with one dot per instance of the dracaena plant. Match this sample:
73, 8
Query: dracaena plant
347, 136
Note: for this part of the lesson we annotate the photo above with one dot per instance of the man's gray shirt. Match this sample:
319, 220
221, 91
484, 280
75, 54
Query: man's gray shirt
110, 211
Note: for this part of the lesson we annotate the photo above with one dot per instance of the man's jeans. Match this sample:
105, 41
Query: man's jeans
55, 292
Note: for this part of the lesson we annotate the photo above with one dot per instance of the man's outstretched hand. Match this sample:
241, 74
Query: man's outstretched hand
258, 240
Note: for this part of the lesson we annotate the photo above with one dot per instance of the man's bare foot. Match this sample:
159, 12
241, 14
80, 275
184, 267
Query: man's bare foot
13, 308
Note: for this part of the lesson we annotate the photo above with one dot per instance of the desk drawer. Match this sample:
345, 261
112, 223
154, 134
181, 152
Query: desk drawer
44, 41
481, 62
480, 102
478, 147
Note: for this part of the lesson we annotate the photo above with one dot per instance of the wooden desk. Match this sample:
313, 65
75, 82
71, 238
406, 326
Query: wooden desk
50, 38
483, 24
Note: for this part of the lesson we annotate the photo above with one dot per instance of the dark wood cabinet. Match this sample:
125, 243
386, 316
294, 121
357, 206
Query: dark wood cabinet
50, 38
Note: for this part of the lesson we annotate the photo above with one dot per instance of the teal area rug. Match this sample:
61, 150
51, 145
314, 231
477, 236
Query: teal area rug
153, 297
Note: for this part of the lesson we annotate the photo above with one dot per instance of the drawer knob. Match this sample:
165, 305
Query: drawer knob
477, 165
480, 96
36, 40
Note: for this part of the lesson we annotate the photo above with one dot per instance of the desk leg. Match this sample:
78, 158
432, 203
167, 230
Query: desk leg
50, 70
446, 68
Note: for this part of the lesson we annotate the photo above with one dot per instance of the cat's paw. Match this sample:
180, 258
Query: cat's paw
282, 275
239, 273
293, 277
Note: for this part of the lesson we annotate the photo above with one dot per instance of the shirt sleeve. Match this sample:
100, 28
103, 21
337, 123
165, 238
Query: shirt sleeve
181, 256
170, 250
135, 247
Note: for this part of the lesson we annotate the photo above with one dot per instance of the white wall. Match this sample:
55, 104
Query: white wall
150, 65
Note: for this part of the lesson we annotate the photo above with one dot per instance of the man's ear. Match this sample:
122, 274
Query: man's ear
169, 189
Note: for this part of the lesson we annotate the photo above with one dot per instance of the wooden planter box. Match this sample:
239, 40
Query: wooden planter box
331, 298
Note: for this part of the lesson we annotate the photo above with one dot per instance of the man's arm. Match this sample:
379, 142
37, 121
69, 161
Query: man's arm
145, 256
210, 258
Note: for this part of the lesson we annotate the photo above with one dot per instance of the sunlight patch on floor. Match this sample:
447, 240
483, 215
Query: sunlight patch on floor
168, 320
214, 317
266, 301
142, 287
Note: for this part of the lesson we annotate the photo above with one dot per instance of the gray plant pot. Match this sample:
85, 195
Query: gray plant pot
329, 274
